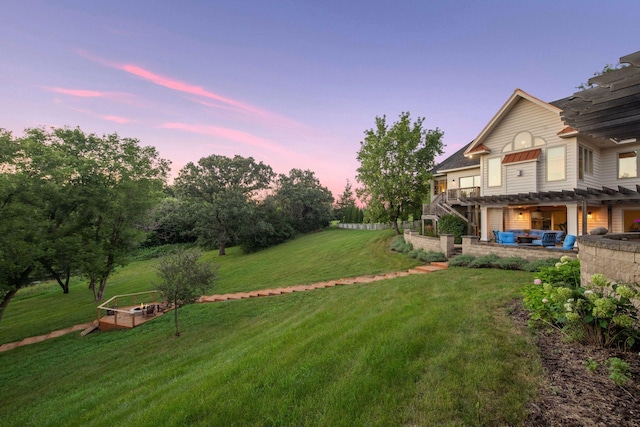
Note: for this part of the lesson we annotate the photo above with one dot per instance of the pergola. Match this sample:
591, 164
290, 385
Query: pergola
611, 109
604, 196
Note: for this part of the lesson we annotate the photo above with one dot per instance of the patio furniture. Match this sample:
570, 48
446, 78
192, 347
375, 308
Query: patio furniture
546, 240
507, 238
569, 242
496, 235
150, 310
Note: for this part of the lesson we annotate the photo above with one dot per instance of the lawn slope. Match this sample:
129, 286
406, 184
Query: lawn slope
432, 349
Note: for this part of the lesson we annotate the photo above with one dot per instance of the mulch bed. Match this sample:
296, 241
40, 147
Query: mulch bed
574, 396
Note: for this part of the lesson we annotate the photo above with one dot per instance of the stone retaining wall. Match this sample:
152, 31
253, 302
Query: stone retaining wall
472, 246
444, 243
617, 257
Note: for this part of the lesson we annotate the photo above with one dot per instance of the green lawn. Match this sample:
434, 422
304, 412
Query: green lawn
433, 349
331, 254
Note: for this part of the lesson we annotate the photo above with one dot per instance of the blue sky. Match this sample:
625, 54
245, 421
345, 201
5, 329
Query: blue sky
293, 83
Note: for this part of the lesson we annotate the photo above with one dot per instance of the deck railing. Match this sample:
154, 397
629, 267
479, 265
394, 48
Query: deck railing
110, 306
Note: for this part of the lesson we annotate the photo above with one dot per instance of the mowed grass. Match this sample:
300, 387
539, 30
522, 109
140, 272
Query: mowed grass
432, 349
331, 254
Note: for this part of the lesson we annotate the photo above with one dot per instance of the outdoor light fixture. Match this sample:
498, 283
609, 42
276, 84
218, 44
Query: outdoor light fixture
589, 215
520, 216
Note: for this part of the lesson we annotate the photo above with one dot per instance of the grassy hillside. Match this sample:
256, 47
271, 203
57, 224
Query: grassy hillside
433, 349
331, 254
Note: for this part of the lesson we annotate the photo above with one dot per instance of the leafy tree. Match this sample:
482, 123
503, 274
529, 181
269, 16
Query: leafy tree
224, 190
82, 198
170, 221
394, 168
303, 201
184, 279
267, 228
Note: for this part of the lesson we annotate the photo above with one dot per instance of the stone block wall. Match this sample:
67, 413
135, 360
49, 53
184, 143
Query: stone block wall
615, 256
444, 243
472, 246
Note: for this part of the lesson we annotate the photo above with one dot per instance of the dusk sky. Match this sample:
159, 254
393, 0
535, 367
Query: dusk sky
293, 83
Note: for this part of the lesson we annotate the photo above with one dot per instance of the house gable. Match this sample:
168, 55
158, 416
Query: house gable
530, 119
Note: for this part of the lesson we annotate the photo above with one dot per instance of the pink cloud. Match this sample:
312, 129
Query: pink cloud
84, 93
79, 92
226, 133
191, 89
118, 119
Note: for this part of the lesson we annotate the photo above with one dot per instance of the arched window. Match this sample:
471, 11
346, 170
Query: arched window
524, 141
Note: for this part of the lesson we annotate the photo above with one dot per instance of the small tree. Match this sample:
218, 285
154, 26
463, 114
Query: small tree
394, 168
184, 278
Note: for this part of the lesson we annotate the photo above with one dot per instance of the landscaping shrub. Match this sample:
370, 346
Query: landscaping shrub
399, 245
601, 314
461, 260
432, 256
511, 263
484, 261
452, 224
539, 264
414, 253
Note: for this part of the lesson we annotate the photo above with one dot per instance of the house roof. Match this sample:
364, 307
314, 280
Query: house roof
522, 156
611, 109
456, 161
511, 102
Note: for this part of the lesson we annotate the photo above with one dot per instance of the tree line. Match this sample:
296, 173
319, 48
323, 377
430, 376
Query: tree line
78, 204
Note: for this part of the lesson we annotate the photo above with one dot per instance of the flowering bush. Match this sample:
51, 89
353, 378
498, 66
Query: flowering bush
601, 314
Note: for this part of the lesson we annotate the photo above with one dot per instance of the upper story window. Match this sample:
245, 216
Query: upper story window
494, 172
628, 164
556, 164
470, 181
585, 161
523, 141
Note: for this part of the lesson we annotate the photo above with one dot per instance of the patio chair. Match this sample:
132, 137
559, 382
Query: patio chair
568, 244
150, 310
547, 239
508, 238
496, 235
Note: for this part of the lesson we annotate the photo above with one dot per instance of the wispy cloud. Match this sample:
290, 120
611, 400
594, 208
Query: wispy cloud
228, 134
79, 92
199, 91
85, 93
118, 119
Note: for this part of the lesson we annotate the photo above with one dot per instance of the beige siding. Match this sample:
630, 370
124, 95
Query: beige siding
608, 162
593, 181
453, 178
521, 177
494, 220
540, 122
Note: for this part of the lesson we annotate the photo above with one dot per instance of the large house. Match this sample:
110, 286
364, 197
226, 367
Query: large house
571, 164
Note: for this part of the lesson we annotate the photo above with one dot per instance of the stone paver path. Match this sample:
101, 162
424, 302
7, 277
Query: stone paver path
435, 266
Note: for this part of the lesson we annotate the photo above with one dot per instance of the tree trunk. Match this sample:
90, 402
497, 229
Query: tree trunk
222, 242
175, 318
6, 300
64, 285
103, 285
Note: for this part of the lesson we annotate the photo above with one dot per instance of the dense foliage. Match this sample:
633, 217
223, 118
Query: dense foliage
71, 203
600, 313
452, 224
